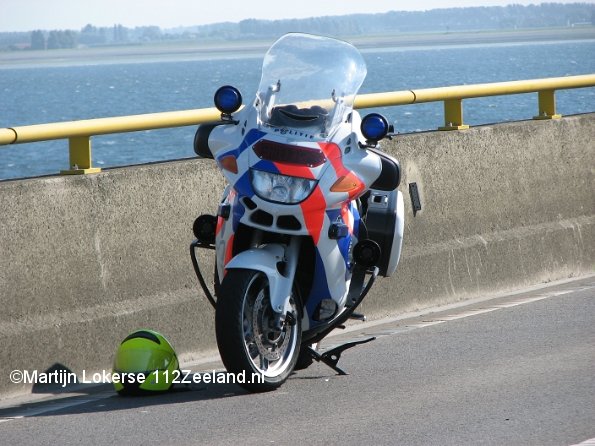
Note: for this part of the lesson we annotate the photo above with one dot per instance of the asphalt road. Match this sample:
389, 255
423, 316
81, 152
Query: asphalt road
515, 370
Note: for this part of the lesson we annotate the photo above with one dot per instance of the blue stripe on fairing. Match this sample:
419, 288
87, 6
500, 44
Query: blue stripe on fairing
345, 243
251, 137
356, 219
319, 289
334, 215
238, 213
243, 186
352, 239
266, 166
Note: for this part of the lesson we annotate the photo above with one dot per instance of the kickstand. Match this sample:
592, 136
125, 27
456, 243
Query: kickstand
331, 357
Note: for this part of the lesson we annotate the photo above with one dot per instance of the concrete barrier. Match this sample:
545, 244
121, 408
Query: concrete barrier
85, 260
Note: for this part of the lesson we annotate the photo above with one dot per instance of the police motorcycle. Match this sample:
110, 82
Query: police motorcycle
311, 214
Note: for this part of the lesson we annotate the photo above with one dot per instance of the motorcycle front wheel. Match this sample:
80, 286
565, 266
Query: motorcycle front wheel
260, 353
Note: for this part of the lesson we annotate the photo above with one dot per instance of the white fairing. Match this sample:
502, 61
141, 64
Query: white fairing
301, 125
265, 260
398, 238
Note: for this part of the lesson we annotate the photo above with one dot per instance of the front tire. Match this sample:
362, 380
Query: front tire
249, 343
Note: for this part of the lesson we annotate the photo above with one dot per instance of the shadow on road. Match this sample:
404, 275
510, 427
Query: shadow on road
87, 398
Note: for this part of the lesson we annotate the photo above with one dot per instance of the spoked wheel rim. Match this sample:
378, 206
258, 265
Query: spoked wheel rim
269, 349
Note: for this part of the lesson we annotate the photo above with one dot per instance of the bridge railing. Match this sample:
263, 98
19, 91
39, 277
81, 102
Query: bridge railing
79, 133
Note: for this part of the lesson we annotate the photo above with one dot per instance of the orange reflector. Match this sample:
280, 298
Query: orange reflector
347, 183
229, 163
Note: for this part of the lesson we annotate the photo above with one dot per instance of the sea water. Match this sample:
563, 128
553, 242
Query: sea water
47, 93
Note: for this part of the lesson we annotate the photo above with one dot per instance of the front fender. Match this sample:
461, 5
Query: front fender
265, 259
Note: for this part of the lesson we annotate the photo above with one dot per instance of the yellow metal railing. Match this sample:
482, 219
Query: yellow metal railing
453, 96
79, 133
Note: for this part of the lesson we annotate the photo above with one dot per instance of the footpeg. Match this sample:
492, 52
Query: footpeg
331, 357
358, 317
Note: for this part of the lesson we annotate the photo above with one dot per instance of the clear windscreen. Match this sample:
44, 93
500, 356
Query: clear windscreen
309, 83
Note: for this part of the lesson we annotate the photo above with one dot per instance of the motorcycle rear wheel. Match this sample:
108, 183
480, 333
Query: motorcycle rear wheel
251, 347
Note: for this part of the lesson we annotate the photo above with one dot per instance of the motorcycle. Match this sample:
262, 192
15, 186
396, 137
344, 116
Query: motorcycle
311, 215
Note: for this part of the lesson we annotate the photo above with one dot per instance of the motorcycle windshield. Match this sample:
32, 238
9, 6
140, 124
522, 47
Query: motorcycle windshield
309, 83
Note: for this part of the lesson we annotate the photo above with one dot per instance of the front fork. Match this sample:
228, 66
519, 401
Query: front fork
276, 260
279, 263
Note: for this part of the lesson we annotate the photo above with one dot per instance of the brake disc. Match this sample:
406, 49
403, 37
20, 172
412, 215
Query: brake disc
270, 341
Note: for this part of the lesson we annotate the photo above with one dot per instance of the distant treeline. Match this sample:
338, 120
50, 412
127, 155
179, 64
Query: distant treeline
87, 36
544, 15
452, 19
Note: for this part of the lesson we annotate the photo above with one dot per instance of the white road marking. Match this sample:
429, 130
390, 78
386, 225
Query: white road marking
429, 321
55, 406
590, 442
513, 303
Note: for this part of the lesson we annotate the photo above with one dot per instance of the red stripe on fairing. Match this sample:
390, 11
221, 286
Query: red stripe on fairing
229, 249
220, 222
345, 217
295, 171
313, 210
333, 153
314, 206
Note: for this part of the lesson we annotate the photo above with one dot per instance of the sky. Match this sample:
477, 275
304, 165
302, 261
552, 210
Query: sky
27, 15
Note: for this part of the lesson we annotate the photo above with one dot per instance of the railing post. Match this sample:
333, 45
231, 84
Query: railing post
453, 115
79, 148
547, 105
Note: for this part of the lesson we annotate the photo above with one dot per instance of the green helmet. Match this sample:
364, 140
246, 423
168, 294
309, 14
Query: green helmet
145, 362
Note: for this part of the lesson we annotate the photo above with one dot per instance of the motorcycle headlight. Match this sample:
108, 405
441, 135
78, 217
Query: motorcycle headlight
281, 188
